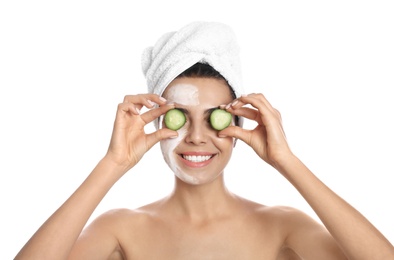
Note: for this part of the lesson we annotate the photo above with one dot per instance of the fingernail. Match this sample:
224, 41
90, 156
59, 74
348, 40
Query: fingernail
173, 136
150, 103
137, 110
163, 99
234, 103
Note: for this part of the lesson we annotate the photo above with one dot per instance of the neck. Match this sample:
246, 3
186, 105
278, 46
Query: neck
203, 201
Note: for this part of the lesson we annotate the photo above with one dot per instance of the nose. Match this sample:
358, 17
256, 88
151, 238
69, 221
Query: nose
197, 134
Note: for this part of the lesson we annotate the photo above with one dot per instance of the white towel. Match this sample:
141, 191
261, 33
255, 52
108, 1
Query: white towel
207, 42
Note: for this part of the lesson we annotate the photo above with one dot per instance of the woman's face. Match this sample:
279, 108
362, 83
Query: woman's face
197, 155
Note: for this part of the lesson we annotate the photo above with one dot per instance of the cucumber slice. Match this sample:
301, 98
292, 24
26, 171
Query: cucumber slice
174, 119
220, 119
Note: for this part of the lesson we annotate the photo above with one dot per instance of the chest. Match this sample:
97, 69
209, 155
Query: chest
213, 241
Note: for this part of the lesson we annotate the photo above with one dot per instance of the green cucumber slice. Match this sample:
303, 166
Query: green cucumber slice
174, 119
220, 119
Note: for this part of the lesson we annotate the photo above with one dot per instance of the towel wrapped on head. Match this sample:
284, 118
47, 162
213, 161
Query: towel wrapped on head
206, 42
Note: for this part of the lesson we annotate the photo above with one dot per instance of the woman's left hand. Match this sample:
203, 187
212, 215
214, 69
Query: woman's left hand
267, 139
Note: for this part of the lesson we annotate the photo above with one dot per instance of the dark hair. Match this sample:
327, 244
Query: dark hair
203, 70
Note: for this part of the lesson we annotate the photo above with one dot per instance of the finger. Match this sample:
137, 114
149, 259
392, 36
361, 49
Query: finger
124, 108
246, 112
237, 132
256, 100
148, 100
261, 98
266, 112
261, 115
236, 103
153, 114
161, 134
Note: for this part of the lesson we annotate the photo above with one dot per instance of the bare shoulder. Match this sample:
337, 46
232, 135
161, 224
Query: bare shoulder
289, 218
104, 236
275, 213
113, 216
117, 221
304, 236
291, 222
289, 214
294, 221
298, 235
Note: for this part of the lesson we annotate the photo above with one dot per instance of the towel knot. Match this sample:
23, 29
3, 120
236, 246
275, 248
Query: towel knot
206, 42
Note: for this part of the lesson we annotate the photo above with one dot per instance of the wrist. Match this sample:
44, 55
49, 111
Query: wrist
285, 162
117, 161
113, 167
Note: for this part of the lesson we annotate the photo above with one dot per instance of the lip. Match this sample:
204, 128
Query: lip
196, 164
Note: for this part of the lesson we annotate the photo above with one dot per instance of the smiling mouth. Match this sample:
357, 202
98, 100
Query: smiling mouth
197, 158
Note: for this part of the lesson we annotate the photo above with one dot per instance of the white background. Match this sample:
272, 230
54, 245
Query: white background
328, 66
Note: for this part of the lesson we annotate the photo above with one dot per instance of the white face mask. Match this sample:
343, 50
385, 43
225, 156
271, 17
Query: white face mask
183, 94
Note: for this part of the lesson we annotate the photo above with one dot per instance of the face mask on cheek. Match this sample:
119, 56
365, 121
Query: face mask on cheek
167, 148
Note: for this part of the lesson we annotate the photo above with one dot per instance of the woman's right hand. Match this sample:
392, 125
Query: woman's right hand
129, 142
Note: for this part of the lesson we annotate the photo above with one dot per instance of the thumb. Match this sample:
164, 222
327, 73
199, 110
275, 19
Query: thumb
159, 135
234, 131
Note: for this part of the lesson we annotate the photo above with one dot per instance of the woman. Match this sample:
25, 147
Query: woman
201, 218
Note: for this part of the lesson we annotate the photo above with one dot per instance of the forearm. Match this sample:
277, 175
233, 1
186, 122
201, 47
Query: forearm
354, 233
56, 236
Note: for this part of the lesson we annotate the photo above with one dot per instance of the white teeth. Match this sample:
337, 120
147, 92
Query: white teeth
199, 158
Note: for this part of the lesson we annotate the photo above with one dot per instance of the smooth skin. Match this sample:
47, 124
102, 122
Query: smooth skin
205, 221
